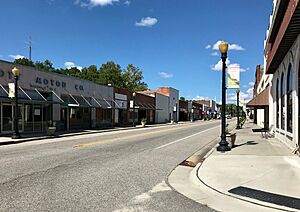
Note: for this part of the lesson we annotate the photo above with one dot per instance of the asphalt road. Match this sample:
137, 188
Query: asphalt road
116, 171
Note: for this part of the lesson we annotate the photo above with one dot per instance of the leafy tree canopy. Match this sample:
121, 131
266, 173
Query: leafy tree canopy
133, 79
130, 78
24, 61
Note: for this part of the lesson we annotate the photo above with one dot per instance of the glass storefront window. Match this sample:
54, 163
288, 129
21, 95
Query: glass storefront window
282, 103
28, 117
80, 118
7, 118
37, 117
290, 100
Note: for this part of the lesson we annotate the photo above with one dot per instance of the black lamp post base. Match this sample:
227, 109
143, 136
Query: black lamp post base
16, 136
238, 127
223, 147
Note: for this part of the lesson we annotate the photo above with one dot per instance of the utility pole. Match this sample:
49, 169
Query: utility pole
29, 43
30, 48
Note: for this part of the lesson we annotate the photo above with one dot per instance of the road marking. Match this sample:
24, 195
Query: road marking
138, 202
190, 136
132, 136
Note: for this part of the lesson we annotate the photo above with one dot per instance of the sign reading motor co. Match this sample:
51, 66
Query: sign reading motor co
44, 81
55, 83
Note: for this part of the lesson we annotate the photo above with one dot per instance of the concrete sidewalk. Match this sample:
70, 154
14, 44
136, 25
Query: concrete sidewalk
257, 175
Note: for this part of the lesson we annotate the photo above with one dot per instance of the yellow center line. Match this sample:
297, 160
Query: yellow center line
127, 137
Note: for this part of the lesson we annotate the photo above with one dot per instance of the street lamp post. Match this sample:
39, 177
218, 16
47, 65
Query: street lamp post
223, 145
133, 115
16, 134
238, 108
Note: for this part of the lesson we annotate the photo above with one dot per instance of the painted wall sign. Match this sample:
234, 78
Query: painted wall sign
79, 87
51, 82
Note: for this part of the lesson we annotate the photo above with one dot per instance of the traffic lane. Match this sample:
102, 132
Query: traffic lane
100, 181
100, 135
41, 157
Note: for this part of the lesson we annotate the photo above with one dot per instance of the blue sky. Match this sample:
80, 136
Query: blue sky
170, 40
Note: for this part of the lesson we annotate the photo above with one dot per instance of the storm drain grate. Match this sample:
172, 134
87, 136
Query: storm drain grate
264, 196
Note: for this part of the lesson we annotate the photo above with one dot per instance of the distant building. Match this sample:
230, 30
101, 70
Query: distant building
260, 102
161, 106
209, 105
173, 95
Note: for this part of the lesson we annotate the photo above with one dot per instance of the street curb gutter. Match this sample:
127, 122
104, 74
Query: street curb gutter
196, 158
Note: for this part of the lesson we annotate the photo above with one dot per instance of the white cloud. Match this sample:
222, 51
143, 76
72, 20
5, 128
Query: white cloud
234, 47
244, 96
127, 3
208, 47
214, 54
249, 85
216, 45
231, 97
165, 75
248, 95
69, 65
218, 66
147, 22
95, 3
201, 98
17, 56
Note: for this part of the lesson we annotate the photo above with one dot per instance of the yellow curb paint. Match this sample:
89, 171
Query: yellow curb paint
127, 137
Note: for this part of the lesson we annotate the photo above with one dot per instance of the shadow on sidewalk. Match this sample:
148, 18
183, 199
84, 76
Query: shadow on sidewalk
246, 143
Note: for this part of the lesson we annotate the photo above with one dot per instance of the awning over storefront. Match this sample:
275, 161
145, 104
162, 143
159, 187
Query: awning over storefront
261, 100
145, 106
30, 96
101, 103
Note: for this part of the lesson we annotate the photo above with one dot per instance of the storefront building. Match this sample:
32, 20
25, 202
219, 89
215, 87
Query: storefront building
145, 108
282, 61
183, 111
122, 111
161, 106
173, 95
259, 104
69, 102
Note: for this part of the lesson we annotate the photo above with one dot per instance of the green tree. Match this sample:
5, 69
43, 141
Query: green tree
182, 98
90, 73
24, 61
47, 65
133, 79
110, 73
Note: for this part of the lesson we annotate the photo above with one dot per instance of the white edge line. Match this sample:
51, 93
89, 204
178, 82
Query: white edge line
173, 142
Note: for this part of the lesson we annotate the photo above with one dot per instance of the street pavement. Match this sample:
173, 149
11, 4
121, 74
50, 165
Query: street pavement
113, 171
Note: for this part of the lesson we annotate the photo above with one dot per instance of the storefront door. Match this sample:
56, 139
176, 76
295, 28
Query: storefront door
64, 117
7, 118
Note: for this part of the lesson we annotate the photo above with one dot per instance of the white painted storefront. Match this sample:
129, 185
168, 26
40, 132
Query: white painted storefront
278, 103
70, 102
